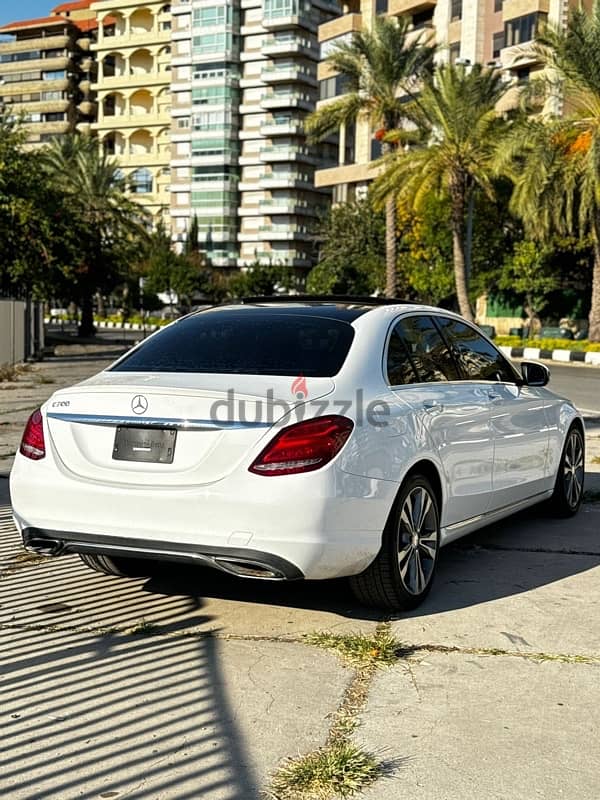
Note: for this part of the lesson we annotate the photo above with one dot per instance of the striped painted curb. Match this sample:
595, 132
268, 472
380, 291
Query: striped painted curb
127, 326
552, 355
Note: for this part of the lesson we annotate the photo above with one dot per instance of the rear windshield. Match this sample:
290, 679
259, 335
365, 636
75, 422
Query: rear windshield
249, 342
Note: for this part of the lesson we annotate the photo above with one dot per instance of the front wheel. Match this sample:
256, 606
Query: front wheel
401, 575
568, 487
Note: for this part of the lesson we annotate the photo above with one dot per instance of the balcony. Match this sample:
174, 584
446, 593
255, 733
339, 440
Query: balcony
282, 233
287, 100
285, 128
286, 153
291, 74
288, 206
285, 180
348, 23
288, 45
304, 20
410, 7
512, 9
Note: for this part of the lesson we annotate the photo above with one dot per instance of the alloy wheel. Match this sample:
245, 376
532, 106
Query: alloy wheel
573, 468
418, 540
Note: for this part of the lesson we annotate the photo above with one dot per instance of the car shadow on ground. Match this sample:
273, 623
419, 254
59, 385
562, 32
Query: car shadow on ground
522, 553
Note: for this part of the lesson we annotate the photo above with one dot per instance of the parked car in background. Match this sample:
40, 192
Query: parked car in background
297, 438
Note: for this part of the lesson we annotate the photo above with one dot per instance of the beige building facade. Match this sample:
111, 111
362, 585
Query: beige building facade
47, 71
133, 54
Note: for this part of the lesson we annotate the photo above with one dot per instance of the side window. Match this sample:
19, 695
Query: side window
428, 354
478, 359
399, 367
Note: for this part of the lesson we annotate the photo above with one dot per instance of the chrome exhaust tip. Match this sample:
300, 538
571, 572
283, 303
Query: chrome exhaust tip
249, 569
42, 546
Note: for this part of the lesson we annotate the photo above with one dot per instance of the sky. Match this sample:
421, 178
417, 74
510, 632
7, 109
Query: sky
16, 10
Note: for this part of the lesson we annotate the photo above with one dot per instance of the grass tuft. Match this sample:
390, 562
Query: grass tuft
358, 648
11, 372
340, 770
144, 628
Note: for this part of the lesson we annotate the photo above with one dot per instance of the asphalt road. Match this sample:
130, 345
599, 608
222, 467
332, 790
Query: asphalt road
581, 384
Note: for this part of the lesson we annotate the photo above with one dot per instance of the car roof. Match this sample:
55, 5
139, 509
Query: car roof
340, 307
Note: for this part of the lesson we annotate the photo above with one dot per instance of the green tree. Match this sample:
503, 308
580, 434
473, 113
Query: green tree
352, 259
33, 220
378, 68
108, 227
262, 280
555, 162
170, 272
527, 273
458, 132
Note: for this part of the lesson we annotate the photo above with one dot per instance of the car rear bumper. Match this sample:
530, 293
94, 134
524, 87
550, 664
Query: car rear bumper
243, 562
325, 524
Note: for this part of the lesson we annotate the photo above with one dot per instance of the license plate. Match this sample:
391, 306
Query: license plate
154, 445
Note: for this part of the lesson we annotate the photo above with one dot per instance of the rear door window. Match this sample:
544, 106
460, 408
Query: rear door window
418, 351
249, 342
479, 360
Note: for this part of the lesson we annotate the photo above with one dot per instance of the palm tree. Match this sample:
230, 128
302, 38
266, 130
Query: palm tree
457, 130
378, 68
555, 163
107, 224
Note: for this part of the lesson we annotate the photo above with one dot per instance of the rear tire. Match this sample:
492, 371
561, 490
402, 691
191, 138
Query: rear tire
568, 488
115, 565
401, 575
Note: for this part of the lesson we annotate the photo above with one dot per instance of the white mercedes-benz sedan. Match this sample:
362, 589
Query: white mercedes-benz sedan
297, 438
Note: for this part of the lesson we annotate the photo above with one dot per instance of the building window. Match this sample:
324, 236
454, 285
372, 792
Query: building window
497, 44
54, 75
284, 8
497, 6
522, 29
423, 18
213, 43
381, 6
141, 181
455, 9
212, 16
30, 55
454, 52
55, 116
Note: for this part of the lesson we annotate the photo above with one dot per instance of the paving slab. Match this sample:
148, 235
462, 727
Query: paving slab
155, 717
529, 583
464, 727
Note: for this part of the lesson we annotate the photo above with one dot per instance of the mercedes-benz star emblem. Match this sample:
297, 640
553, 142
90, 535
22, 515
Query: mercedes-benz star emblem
139, 404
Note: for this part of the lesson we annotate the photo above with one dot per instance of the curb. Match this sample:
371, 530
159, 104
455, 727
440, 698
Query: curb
552, 355
127, 326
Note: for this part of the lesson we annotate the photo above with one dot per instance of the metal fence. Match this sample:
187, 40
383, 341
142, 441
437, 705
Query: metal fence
21, 330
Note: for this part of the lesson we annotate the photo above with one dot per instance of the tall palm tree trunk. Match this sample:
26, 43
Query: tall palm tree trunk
390, 247
458, 250
594, 318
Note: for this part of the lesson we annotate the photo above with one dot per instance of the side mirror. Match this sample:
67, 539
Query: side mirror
534, 374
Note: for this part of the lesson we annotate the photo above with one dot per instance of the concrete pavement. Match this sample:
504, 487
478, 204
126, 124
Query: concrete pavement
192, 684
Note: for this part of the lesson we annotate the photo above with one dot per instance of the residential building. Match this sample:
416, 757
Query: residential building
244, 77
133, 53
46, 71
497, 33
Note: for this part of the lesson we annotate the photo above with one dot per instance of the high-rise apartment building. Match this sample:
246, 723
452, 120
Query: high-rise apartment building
133, 53
46, 71
493, 32
244, 77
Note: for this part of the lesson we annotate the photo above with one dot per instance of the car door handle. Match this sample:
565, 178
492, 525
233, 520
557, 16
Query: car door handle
432, 405
494, 395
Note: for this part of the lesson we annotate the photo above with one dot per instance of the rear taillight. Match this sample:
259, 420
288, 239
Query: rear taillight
303, 447
32, 443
